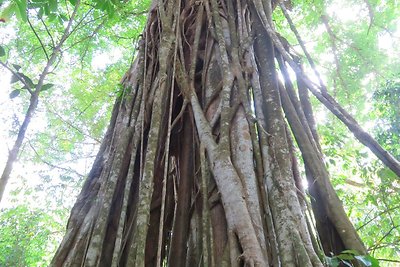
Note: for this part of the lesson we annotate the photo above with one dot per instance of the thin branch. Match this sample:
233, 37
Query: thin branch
181, 112
52, 165
378, 243
37, 37
80, 22
371, 14
299, 39
332, 38
66, 6
365, 138
96, 30
48, 33
71, 125
324, 97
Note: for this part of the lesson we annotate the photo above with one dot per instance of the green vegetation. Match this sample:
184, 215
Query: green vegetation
27, 236
355, 44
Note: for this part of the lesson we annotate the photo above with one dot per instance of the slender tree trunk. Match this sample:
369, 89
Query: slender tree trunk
198, 166
33, 102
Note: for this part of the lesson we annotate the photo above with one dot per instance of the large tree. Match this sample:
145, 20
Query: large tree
198, 166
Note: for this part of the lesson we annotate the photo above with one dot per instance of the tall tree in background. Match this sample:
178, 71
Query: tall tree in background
198, 165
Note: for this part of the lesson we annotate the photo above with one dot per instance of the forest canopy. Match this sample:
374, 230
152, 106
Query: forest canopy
66, 65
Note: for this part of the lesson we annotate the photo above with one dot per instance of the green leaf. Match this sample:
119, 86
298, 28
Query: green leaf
40, 13
386, 172
109, 8
22, 12
32, 4
2, 51
345, 256
332, 262
100, 5
24, 234
27, 80
52, 16
73, 2
7, 12
374, 262
63, 17
16, 67
46, 10
14, 79
53, 5
14, 93
47, 86
26, 87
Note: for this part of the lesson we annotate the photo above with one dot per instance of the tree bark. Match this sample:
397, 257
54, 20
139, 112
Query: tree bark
198, 166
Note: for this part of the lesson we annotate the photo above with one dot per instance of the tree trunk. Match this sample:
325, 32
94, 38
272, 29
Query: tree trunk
198, 167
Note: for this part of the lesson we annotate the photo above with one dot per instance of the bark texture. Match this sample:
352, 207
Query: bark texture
198, 165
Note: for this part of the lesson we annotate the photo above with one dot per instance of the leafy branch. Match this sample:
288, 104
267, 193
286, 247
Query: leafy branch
33, 103
351, 258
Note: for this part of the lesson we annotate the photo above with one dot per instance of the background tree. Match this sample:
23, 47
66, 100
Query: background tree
72, 33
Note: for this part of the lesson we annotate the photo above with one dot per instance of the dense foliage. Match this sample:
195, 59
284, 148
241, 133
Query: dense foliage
26, 237
353, 42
